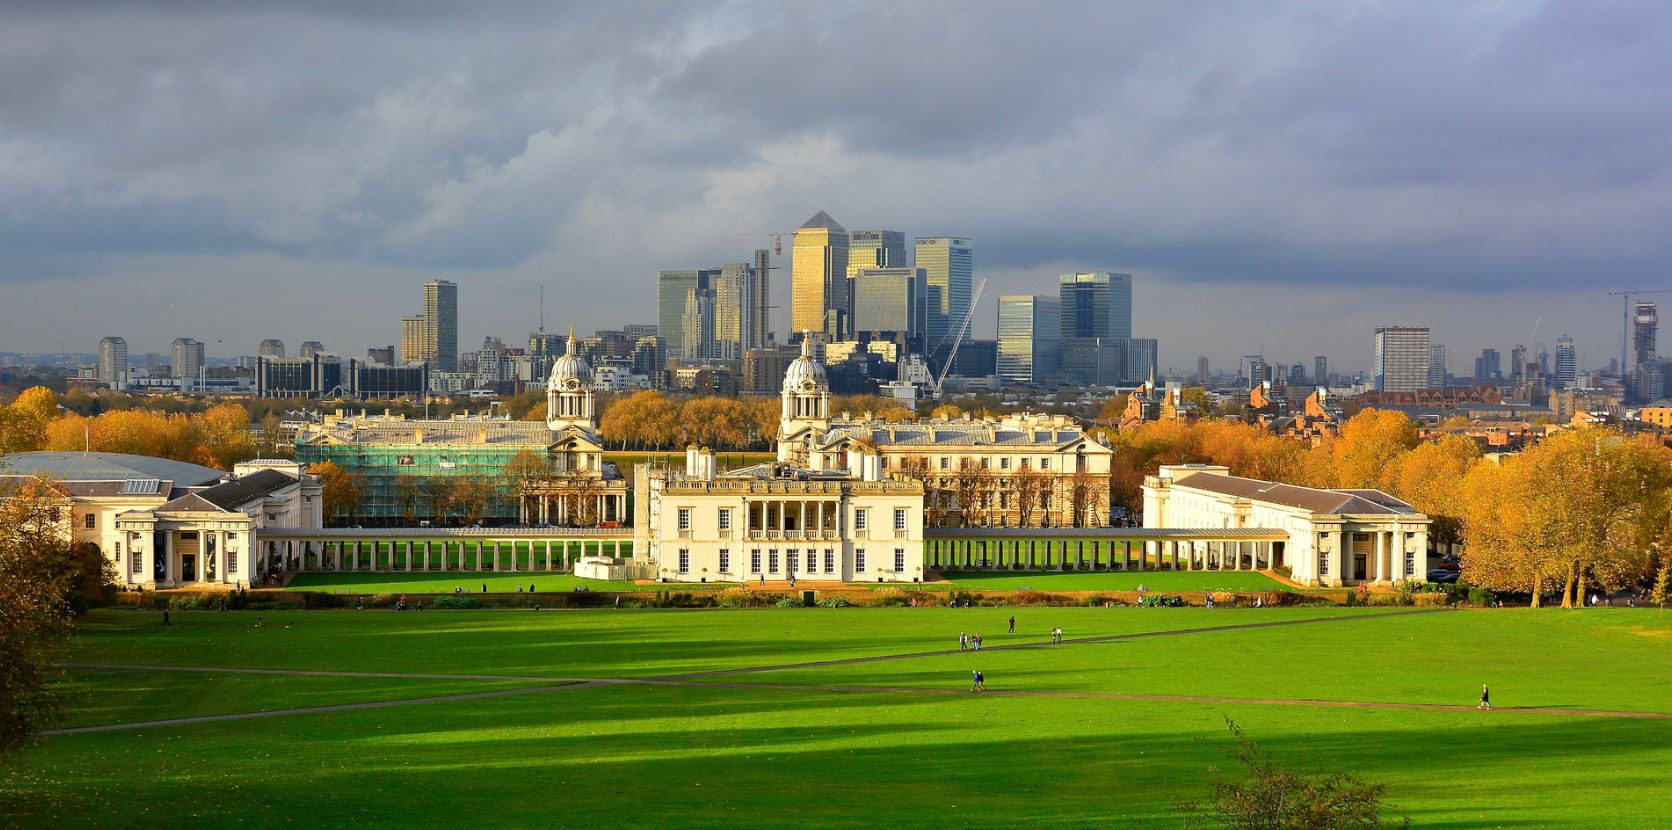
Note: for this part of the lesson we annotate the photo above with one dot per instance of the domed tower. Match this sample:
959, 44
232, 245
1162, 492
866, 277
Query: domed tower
806, 404
569, 397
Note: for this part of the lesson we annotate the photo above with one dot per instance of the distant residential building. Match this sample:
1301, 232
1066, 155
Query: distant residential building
374, 380
271, 347
1202, 374
309, 348
290, 377
735, 293
948, 264
441, 325
819, 276
1402, 358
187, 356
113, 362
1567, 363
696, 325
1030, 339
648, 359
1143, 359
412, 339
1320, 370
763, 369
1437, 366
1645, 325
376, 354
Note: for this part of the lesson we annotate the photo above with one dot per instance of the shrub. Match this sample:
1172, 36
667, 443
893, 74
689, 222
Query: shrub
834, 602
1223, 598
1431, 599
455, 601
1482, 597
1162, 601
789, 602
190, 602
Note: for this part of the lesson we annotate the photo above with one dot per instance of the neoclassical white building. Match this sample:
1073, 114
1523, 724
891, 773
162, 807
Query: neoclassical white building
781, 521
1335, 537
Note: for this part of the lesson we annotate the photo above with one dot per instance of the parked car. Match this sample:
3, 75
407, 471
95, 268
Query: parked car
1441, 576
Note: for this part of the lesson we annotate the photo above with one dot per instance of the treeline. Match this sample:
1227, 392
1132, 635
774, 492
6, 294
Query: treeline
218, 437
1586, 507
653, 421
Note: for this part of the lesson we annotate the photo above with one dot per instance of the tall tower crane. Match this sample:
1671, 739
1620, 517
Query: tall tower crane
1625, 318
963, 328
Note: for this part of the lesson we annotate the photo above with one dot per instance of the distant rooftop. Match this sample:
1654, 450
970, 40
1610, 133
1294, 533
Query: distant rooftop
106, 466
822, 221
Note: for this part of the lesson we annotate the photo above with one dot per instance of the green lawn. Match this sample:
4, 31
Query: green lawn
1161, 581
444, 583
712, 756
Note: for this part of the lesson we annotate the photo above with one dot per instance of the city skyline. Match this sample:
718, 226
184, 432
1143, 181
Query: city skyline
1193, 162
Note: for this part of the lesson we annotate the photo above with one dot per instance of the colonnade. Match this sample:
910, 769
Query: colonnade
441, 555
1024, 553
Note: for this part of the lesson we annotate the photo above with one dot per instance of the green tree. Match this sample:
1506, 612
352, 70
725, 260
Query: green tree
1276, 797
340, 492
36, 579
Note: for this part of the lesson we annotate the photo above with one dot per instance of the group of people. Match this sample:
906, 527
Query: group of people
969, 642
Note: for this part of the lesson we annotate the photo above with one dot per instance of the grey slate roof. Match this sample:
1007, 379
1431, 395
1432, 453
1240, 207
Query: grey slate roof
106, 466
951, 434
1344, 502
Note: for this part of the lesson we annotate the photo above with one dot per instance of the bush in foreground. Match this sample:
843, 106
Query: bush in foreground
1275, 796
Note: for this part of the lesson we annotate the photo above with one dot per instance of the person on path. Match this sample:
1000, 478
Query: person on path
1012, 624
484, 587
978, 642
975, 681
165, 618
1485, 697
963, 641
980, 681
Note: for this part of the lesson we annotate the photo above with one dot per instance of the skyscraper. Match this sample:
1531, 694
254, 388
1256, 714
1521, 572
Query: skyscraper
761, 330
889, 303
696, 325
441, 325
1143, 359
948, 265
1437, 366
1096, 323
819, 273
735, 293
187, 357
1567, 363
1320, 371
113, 362
412, 338
1202, 375
1645, 323
1518, 365
876, 249
1402, 358
1030, 339
673, 288
271, 347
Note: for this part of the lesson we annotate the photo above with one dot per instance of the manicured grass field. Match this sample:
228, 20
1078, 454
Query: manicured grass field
444, 583
1160, 581
699, 754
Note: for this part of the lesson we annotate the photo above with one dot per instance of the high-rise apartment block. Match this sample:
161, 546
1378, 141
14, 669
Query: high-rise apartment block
735, 319
948, 265
1436, 366
1402, 358
1030, 339
1320, 370
761, 330
271, 347
309, 348
441, 325
187, 356
1567, 363
819, 274
696, 325
113, 362
1645, 324
412, 339
1202, 375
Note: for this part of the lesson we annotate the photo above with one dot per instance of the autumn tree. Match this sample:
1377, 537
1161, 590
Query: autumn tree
23, 422
474, 496
38, 574
722, 423
645, 419
947, 411
439, 494
1369, 442
1026, 486
225, 436
1431, 478
340, 492
523, 474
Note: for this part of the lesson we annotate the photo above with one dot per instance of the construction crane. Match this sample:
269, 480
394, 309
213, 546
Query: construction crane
1625, 318
777, 239
963, 328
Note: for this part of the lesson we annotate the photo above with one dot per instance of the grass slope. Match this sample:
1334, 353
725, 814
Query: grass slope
1159, 581
439, 583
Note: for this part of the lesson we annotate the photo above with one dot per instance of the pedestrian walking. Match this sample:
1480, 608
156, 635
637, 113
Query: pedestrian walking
1012, 624
975, 681
981, 681
1485, 697
165, 618
963, 641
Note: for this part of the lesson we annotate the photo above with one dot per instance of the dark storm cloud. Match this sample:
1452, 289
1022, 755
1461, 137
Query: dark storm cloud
1484, 148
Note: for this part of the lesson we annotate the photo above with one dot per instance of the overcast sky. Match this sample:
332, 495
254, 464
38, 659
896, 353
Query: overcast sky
1277, 179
